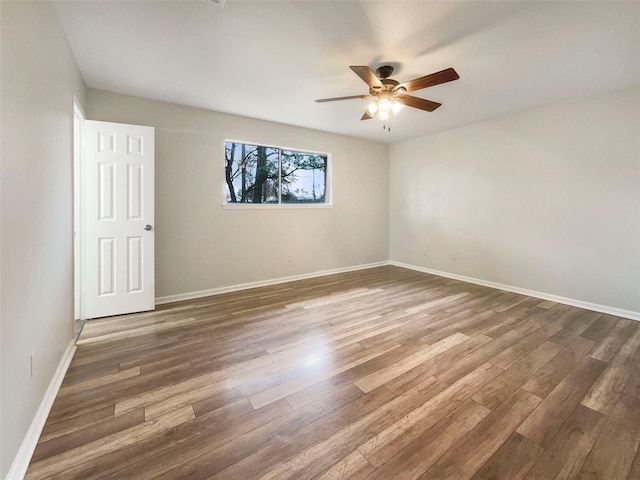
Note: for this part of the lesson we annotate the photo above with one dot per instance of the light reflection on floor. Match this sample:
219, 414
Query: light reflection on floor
319, 356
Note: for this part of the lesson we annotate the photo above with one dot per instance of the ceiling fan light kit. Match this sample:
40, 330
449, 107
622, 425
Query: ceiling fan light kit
390, 95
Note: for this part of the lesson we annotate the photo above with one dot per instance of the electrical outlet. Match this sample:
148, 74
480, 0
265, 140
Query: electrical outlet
289, 258
425, 252
454, 257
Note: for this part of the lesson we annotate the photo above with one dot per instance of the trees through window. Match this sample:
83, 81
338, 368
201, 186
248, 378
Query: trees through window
272, 175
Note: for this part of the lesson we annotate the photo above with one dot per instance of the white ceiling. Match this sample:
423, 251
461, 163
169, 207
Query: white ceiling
271, 59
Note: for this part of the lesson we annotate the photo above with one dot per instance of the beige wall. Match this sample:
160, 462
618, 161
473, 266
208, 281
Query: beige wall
39, 77
546, 200
201, 246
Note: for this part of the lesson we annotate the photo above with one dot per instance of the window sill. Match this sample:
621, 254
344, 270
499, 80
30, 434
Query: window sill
275, 206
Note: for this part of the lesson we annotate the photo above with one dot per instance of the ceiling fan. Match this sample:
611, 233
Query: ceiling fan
390, 95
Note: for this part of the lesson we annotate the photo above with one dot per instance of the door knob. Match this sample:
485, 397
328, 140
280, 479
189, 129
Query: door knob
148, 227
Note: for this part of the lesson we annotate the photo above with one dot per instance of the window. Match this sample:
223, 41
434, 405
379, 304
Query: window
273, 175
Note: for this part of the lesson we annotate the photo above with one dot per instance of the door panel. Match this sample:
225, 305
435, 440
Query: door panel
134, 192
134, 262
106, 191
119, 196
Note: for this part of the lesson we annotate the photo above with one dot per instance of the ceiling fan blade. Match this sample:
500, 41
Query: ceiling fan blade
437, 78
416, 102
335, 99
366, 116
366, 74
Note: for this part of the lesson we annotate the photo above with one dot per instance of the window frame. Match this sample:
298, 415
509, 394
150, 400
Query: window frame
328, 187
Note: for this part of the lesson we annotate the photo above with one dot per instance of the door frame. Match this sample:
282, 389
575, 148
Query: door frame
81, 277
78, 210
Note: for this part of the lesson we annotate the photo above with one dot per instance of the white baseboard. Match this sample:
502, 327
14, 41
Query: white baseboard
618, 312
262, 283
27, 447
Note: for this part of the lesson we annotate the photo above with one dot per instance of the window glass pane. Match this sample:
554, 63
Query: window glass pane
303, 177
251, 173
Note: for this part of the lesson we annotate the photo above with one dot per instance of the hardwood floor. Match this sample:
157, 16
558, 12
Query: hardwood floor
377, 374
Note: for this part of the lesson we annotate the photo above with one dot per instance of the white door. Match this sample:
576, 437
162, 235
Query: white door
119, 232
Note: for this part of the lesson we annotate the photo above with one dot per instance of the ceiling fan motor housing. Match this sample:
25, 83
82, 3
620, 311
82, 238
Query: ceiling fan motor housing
388, 85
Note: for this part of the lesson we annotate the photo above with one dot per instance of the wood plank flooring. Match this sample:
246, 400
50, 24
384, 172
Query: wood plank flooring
382, 374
